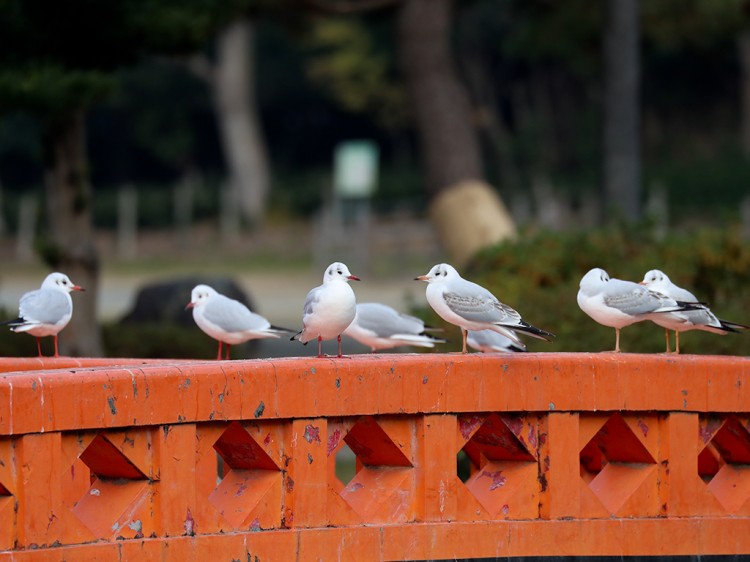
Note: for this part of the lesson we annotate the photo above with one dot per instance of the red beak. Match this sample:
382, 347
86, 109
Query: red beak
189, 305
353, 278
77, 288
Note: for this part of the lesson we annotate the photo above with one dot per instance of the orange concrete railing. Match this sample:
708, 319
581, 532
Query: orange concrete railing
571, 454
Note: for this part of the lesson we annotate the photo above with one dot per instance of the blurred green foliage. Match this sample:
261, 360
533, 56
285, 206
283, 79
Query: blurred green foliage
357, 70
532, 66
538, 275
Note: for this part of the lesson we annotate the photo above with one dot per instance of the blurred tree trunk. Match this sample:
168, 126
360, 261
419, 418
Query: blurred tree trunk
489, 118
467, 212
70, 247
233, 81
743, 52
621, 119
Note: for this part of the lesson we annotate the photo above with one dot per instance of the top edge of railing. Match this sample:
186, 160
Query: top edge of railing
62, 394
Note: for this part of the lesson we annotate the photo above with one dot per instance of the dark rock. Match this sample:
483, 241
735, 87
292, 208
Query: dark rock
165, 301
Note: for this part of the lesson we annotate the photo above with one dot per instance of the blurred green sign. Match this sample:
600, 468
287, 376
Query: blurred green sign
356, 168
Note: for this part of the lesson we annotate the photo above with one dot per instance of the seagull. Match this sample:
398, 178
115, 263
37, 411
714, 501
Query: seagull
617, 303
379, 326
699, 319
329, 308
472, 307
228, 320
488, 341
46, 311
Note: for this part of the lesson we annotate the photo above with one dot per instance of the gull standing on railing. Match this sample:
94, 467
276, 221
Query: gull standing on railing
699, 319
617, 303
228, 320
472, 307
379, 326
46, 311
488, 341
329, 308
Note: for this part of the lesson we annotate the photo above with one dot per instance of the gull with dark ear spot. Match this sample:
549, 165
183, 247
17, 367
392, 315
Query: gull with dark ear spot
699, 319
617, 303
379, 326
228, 320
472, 307
329, 308
46, 311
488, 341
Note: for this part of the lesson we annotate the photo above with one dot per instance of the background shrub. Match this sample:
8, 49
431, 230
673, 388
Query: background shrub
539, 274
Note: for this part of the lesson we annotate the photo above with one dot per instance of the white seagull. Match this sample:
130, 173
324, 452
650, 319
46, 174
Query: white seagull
472, 307
228, 320
379, 326
329, 308
699, 319
488, 341
617, 303
46, 311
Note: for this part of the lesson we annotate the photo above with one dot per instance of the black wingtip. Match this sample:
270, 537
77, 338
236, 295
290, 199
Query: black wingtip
534, 331
733, 327
432, 338
686, 306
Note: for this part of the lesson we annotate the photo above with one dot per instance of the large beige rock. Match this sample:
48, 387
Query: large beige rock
468, 217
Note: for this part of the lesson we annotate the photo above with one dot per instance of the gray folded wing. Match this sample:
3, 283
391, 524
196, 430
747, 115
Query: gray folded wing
481, 308
384, 321
44, 306
233, 316
635, 300
312, 299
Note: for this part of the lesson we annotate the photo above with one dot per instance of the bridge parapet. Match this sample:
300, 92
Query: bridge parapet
565, 454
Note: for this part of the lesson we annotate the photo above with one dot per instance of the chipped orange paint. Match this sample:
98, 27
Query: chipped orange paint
571, 454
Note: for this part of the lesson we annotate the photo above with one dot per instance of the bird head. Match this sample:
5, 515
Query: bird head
439, 272
654, 276
200, 295
61, 282
338, 271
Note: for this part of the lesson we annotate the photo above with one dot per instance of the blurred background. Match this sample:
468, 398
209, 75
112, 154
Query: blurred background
148, 145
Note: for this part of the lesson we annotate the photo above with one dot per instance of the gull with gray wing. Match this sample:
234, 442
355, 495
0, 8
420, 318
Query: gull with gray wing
617, 303
472, 307
380, 326
227, 320
488, 341
329, 308
699, 319
47, 310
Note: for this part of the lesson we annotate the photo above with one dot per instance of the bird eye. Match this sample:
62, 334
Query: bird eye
338, 271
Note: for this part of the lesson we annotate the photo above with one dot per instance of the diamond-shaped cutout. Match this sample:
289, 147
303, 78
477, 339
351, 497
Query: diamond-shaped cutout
382, 467
116, 484
723, 462
346, 464
614, 463
245, 473
496, 465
